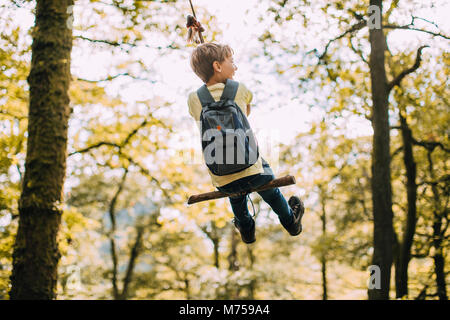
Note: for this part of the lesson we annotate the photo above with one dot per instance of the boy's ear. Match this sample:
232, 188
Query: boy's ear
217, 67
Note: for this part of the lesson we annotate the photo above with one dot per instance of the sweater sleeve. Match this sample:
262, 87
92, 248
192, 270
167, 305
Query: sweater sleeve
192, 104
248, 95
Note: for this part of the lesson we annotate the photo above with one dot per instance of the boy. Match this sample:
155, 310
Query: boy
213, 63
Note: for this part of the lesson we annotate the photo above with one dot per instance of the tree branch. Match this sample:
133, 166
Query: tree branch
146, 172
120, 44
358, 51
112, 216
125, 156
108, 42
419, 18
430, 145
135, 251
133, 133
397, 151
112, 144
94, 146
404, 73
352, 29
409, 27
109, 78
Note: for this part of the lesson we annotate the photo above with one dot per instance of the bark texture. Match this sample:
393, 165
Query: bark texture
438, 234
401, 270
381, 174
36, 254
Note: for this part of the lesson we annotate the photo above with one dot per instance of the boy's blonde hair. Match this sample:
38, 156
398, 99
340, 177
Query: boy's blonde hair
204, 55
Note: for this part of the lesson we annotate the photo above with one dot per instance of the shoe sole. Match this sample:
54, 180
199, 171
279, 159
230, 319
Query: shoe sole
302, 212
301, 227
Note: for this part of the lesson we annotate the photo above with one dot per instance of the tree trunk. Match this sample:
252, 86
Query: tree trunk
134, 254
323, 254
111, 236
215, 239
401, 270
438, 236
36, 254
381, 175
187, 289
213, 235
233, 263
216, 252
232, 292
439, 269
252, 284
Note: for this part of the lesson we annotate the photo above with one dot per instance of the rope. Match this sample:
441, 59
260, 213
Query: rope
254, 213
200, 29
192, 7
253, 207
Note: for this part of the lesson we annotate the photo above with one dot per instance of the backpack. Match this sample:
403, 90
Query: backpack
228, 142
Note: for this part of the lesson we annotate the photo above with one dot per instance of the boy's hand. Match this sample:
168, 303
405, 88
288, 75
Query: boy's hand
248, 109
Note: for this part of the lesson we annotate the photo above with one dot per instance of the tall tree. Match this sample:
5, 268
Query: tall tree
36, 253
323, 258
381, 160
404, 247
440, 214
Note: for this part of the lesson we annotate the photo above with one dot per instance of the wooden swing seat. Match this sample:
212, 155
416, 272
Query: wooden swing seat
280, 182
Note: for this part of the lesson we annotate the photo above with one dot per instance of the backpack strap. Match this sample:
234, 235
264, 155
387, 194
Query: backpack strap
204, 95
230, 90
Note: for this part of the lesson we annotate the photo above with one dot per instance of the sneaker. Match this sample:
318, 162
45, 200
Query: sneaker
248, 236
295, 228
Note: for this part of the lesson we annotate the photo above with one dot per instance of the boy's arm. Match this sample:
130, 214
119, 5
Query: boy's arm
247, 95
191, 103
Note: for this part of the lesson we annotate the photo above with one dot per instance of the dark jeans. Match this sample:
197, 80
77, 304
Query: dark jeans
272, 197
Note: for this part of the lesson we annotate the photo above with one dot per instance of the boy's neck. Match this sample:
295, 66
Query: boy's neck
213, 82
216, 79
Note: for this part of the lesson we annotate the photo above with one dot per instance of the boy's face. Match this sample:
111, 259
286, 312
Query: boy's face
226, 68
